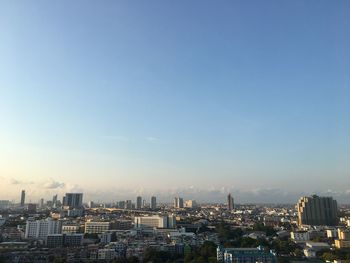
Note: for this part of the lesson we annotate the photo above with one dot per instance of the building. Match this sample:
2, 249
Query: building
54, 201
343, 234
138, 203
41, 204
23, 197
96, 227
4, 204
31, 208
191, 204
300, 236
343, 240
67, 240
40, 229
73, 200
73, 240
157, 221
128, 204
230, 204
178, 202
70, 229
245, 255
153, 204
317, 211
342, 243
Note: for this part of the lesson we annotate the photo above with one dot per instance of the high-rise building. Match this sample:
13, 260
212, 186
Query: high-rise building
39, 229
128, 204
316, 210
54, 201
153, 205
41, 203
230, 204
178, 202
138, 202
23, 197
191, 204
73, 200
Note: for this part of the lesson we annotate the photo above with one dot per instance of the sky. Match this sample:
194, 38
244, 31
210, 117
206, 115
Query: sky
196, 98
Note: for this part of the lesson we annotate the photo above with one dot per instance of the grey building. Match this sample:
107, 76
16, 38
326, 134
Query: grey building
316, 210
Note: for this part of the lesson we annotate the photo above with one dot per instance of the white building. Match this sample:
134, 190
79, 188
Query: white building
40, 229
155, 221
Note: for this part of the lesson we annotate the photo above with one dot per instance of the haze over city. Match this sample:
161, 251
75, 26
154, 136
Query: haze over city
196, 98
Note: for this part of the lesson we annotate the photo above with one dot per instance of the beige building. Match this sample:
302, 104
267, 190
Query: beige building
70, 229
343, 234
342, 243
94, 227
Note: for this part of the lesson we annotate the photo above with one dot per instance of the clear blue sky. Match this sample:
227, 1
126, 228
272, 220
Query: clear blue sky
237, 95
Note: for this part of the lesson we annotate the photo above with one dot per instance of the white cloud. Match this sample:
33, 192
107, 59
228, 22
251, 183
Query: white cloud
51, 184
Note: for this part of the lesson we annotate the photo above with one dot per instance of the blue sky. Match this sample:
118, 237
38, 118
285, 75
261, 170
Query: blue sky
158, 95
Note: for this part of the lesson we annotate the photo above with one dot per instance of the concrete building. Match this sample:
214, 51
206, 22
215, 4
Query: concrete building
245, 255
4, 204
343, 234
342, 243
70, 229
155, 221
300, 236
40, 229
191, 204
153, 204
23, 198
230, 204
31, 208
73, 200
178, 202
128, 204
317, 210
138, 203
96, 227
67, 240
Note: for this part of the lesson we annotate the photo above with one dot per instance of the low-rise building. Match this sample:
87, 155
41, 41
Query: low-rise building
96, 227
245, 255
298, 236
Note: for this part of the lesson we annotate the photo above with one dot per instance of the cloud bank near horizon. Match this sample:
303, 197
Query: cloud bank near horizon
46, 189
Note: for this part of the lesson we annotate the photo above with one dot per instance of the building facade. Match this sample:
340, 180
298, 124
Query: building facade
315, 210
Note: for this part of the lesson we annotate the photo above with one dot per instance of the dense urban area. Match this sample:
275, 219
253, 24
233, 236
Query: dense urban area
316, 229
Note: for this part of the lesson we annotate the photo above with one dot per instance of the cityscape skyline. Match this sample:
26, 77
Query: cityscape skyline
194, 99
259, 196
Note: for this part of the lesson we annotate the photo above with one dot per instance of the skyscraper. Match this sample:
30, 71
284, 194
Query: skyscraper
54, 201
316, 210
73, 200
153, 205
178, 202
23, 197
230, 204
138, 202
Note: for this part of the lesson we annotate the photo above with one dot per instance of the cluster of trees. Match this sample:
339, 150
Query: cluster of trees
338, 254
204, 254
